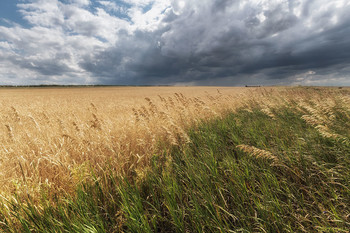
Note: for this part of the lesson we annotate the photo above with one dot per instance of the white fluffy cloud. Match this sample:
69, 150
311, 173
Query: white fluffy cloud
61, 35
176, 41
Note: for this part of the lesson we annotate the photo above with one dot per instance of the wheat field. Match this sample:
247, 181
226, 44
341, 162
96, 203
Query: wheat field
138, 159
50, 136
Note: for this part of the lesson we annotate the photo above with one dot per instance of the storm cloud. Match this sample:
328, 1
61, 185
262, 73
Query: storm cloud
154, 42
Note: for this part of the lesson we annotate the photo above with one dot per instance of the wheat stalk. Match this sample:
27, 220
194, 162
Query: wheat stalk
257, 153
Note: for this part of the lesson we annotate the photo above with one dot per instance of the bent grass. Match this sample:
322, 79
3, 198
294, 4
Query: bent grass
264, 167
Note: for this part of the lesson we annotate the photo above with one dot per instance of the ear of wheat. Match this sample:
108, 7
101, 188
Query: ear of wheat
325, 132
256, 152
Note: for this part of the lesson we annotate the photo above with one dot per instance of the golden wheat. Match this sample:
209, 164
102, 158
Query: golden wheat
52, 137
320, 113
257, 153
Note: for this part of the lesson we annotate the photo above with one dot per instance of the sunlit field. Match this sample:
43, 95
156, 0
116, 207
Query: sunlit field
175, 159
50, 135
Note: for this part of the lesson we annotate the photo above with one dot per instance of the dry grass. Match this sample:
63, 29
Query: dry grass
257, 153
281, 142
52, 136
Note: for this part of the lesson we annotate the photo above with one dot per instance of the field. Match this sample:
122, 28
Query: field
48, 134
175, 159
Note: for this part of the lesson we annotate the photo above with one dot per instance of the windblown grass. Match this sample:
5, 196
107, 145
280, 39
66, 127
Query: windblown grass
278, 163
51, 137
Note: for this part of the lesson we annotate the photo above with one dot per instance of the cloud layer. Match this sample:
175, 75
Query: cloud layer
205, 42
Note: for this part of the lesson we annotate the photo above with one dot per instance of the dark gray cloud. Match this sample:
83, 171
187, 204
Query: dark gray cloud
233, 41
220, 42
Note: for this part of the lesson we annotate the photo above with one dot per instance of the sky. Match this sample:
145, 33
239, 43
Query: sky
175, 42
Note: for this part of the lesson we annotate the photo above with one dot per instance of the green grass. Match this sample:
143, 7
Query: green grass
210, 185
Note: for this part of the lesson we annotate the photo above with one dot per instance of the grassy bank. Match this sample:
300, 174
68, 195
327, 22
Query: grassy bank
284, 168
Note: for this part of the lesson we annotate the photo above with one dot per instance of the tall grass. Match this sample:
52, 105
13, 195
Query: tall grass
278, 164
50, 136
